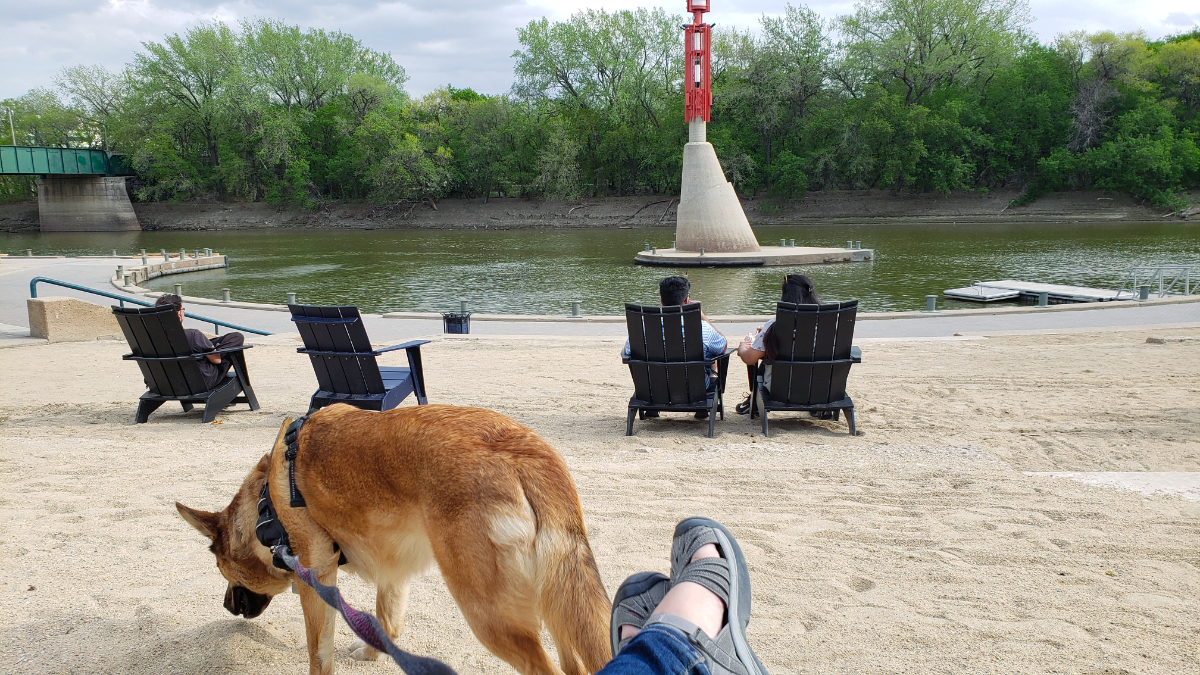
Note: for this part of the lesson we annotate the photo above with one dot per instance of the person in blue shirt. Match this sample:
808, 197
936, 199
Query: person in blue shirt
675, 290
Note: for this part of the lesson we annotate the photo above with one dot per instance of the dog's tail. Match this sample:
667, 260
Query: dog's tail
571, 597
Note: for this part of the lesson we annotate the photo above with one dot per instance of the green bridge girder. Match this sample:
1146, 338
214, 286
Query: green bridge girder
37, 161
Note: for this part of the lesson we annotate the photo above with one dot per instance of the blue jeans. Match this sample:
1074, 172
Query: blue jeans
657, 650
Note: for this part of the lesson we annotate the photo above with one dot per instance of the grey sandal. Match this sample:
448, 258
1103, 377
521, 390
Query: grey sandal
729, 578
634, 602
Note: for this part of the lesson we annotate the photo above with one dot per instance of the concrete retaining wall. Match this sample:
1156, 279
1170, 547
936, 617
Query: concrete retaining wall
85, 204
60, 319
139, 273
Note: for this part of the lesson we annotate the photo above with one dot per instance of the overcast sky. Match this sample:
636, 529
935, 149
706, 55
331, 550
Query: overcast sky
467, 43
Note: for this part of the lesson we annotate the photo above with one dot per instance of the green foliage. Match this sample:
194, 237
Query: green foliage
901, 95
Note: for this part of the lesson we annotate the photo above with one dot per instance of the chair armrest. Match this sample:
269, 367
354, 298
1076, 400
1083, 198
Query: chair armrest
226, 350
406, 345
855, 355
193, 357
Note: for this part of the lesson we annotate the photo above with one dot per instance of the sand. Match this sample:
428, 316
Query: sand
920, 546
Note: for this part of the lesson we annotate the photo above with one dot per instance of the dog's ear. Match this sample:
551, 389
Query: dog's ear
203, 521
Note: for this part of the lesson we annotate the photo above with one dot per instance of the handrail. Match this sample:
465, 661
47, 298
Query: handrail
46, 280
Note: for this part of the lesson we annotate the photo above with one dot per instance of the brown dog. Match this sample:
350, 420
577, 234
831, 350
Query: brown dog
485, 498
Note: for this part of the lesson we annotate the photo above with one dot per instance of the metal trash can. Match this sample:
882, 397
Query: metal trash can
456, 323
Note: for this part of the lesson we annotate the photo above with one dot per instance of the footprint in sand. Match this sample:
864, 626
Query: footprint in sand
861, 585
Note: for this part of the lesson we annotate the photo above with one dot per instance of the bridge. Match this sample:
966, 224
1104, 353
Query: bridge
79, 190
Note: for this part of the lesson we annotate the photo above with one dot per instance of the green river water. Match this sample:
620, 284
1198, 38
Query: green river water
537, 271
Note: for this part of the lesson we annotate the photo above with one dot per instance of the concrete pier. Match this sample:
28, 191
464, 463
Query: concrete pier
85, 204
710, 215
765, 256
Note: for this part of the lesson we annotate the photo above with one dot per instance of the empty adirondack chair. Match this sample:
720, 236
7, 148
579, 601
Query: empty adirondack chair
172, 371
347, 372
814, 355
666, 362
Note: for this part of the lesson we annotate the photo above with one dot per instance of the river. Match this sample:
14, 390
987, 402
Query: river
539, 271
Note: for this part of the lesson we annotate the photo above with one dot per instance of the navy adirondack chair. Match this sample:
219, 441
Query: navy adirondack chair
813, 358
172, 371
337, 345
666, 361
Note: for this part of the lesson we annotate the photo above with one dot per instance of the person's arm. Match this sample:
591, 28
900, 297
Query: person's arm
201, 345
714, 343
746, 351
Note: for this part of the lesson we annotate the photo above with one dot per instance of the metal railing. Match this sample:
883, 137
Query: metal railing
1168, 278
122, 299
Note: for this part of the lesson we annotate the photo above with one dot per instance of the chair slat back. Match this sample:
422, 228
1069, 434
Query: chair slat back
666, 347
346, 364
156, 333
813, 346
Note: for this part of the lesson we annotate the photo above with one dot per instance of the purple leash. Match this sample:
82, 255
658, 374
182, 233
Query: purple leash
364, 625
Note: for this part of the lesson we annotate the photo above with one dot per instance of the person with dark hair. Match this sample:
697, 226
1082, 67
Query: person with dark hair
797, 289
212, 366
676, 290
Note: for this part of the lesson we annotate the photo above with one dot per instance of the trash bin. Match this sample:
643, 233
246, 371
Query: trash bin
456, 323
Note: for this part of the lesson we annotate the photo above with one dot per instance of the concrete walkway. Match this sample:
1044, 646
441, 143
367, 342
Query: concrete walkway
16, 272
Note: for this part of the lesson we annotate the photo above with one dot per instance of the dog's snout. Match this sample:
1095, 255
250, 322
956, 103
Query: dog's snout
244, 602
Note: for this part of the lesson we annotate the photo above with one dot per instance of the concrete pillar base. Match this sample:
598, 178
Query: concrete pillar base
710, 215
85, 204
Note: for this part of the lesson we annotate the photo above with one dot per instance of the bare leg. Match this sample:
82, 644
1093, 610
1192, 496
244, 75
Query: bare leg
691, 601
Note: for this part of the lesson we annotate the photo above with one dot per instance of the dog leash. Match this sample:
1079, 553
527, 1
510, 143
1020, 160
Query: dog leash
364, 624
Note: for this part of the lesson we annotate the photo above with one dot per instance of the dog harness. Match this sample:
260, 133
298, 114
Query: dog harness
268, 529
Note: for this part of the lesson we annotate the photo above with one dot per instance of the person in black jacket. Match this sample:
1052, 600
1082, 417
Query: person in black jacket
212, 367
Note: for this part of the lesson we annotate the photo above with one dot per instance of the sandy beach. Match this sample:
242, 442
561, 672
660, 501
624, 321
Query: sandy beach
920, 546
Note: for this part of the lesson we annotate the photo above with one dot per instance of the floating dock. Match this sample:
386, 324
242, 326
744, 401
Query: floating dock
1011, 289
765, 256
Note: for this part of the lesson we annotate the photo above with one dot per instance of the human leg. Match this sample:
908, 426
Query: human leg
708, 606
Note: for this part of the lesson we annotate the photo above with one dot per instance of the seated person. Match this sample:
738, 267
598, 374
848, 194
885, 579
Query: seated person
674, 291
798, 289
212, 367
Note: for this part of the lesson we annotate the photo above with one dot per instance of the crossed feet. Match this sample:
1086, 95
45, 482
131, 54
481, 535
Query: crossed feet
691, 601
706, 600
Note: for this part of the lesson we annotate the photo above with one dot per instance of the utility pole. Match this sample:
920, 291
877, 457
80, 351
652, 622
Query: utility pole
11, 130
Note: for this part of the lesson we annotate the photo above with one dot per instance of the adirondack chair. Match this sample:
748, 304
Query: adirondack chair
172, 371
347, 372
814, 355
666, 361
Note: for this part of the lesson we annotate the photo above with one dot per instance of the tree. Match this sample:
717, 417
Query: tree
928, 44
97, 91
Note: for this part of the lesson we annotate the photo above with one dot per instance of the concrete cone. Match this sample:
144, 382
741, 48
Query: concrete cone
710, 216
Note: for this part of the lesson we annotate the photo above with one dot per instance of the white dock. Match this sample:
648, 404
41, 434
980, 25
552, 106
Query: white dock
1010, 289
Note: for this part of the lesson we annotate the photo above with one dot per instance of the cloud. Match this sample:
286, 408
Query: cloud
1181, 19
467, 43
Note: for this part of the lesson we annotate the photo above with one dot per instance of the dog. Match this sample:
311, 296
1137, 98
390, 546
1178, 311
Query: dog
484, 497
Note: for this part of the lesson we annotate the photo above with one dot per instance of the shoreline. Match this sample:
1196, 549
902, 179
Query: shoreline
833, 208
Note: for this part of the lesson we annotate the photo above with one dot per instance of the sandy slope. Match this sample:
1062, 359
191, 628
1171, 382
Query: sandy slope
917, 547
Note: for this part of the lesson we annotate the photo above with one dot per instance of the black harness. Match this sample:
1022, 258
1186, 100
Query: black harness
268, 529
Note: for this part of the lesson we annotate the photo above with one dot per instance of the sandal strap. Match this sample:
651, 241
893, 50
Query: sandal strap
711, 573
635, 609
720, 654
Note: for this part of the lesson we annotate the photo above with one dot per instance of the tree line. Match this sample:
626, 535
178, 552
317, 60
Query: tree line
900, 95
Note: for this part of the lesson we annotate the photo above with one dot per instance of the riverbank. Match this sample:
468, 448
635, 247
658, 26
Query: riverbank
921, 546
815, 208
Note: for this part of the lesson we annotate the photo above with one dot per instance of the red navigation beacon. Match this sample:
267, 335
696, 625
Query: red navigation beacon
697, 80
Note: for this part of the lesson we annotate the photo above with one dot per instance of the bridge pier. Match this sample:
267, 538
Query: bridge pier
85, 204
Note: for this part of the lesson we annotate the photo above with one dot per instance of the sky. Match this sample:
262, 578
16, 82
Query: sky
465, 43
